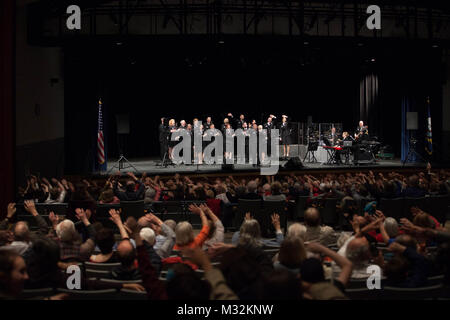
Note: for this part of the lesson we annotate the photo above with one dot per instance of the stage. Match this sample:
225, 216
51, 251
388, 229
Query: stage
153, 166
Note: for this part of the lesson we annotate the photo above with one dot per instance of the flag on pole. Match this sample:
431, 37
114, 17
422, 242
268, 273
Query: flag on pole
429, 138
101, 154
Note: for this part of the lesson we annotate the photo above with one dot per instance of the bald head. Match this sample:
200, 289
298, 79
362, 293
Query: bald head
312, 217
126, 253
358, 251
21, 231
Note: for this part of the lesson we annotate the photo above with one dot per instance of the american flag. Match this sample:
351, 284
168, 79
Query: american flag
100, 139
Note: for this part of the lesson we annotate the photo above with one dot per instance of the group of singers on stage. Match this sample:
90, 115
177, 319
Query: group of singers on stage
231, 123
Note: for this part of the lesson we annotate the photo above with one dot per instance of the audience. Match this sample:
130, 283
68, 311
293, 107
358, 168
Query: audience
173, 260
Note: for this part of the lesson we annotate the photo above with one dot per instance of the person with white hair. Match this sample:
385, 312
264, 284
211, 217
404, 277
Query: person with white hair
296, 230
71, 246
250, 233
252, 188
163, 238
149, 239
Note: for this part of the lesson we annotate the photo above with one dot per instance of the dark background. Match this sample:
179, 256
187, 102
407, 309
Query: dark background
187, 78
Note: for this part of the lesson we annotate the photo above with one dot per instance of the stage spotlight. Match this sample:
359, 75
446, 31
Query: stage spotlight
435, 46
119, 43
373, 60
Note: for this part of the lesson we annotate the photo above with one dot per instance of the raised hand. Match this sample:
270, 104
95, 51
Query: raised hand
276, 221
30, 207
11, 210
194, 209
53, 218
115, 216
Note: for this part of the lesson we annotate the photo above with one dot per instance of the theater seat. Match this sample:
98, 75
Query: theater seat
107, 294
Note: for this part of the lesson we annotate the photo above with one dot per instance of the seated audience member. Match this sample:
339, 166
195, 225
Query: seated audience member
222, 193
413, 190
358, 252
13, 274
42, 260
296, 230
216, 230
105, 242
316, 232
164, 231
72, 248
21, 238
185, 284
298, 190
185, 233
149, 239
130, 193
250, 232
275, 193
149, 196
251, 194
243, 271
407, 269
313, 278
108, 196
126, 255
291, 255
282, 285
213, 203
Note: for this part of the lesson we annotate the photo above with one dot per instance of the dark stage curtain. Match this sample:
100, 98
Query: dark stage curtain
7, 33
369, 103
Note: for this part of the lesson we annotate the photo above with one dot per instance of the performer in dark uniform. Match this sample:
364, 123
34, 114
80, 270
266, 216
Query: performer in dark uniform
240, 122
208, 123
285, 136
360, 130
172, 128
163, 145
253, 136
225, 123
246, 134
228, 145
269, 125
333, 137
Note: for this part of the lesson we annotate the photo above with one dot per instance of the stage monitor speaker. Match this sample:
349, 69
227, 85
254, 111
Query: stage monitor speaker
412, 122
123, 123
293, 163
